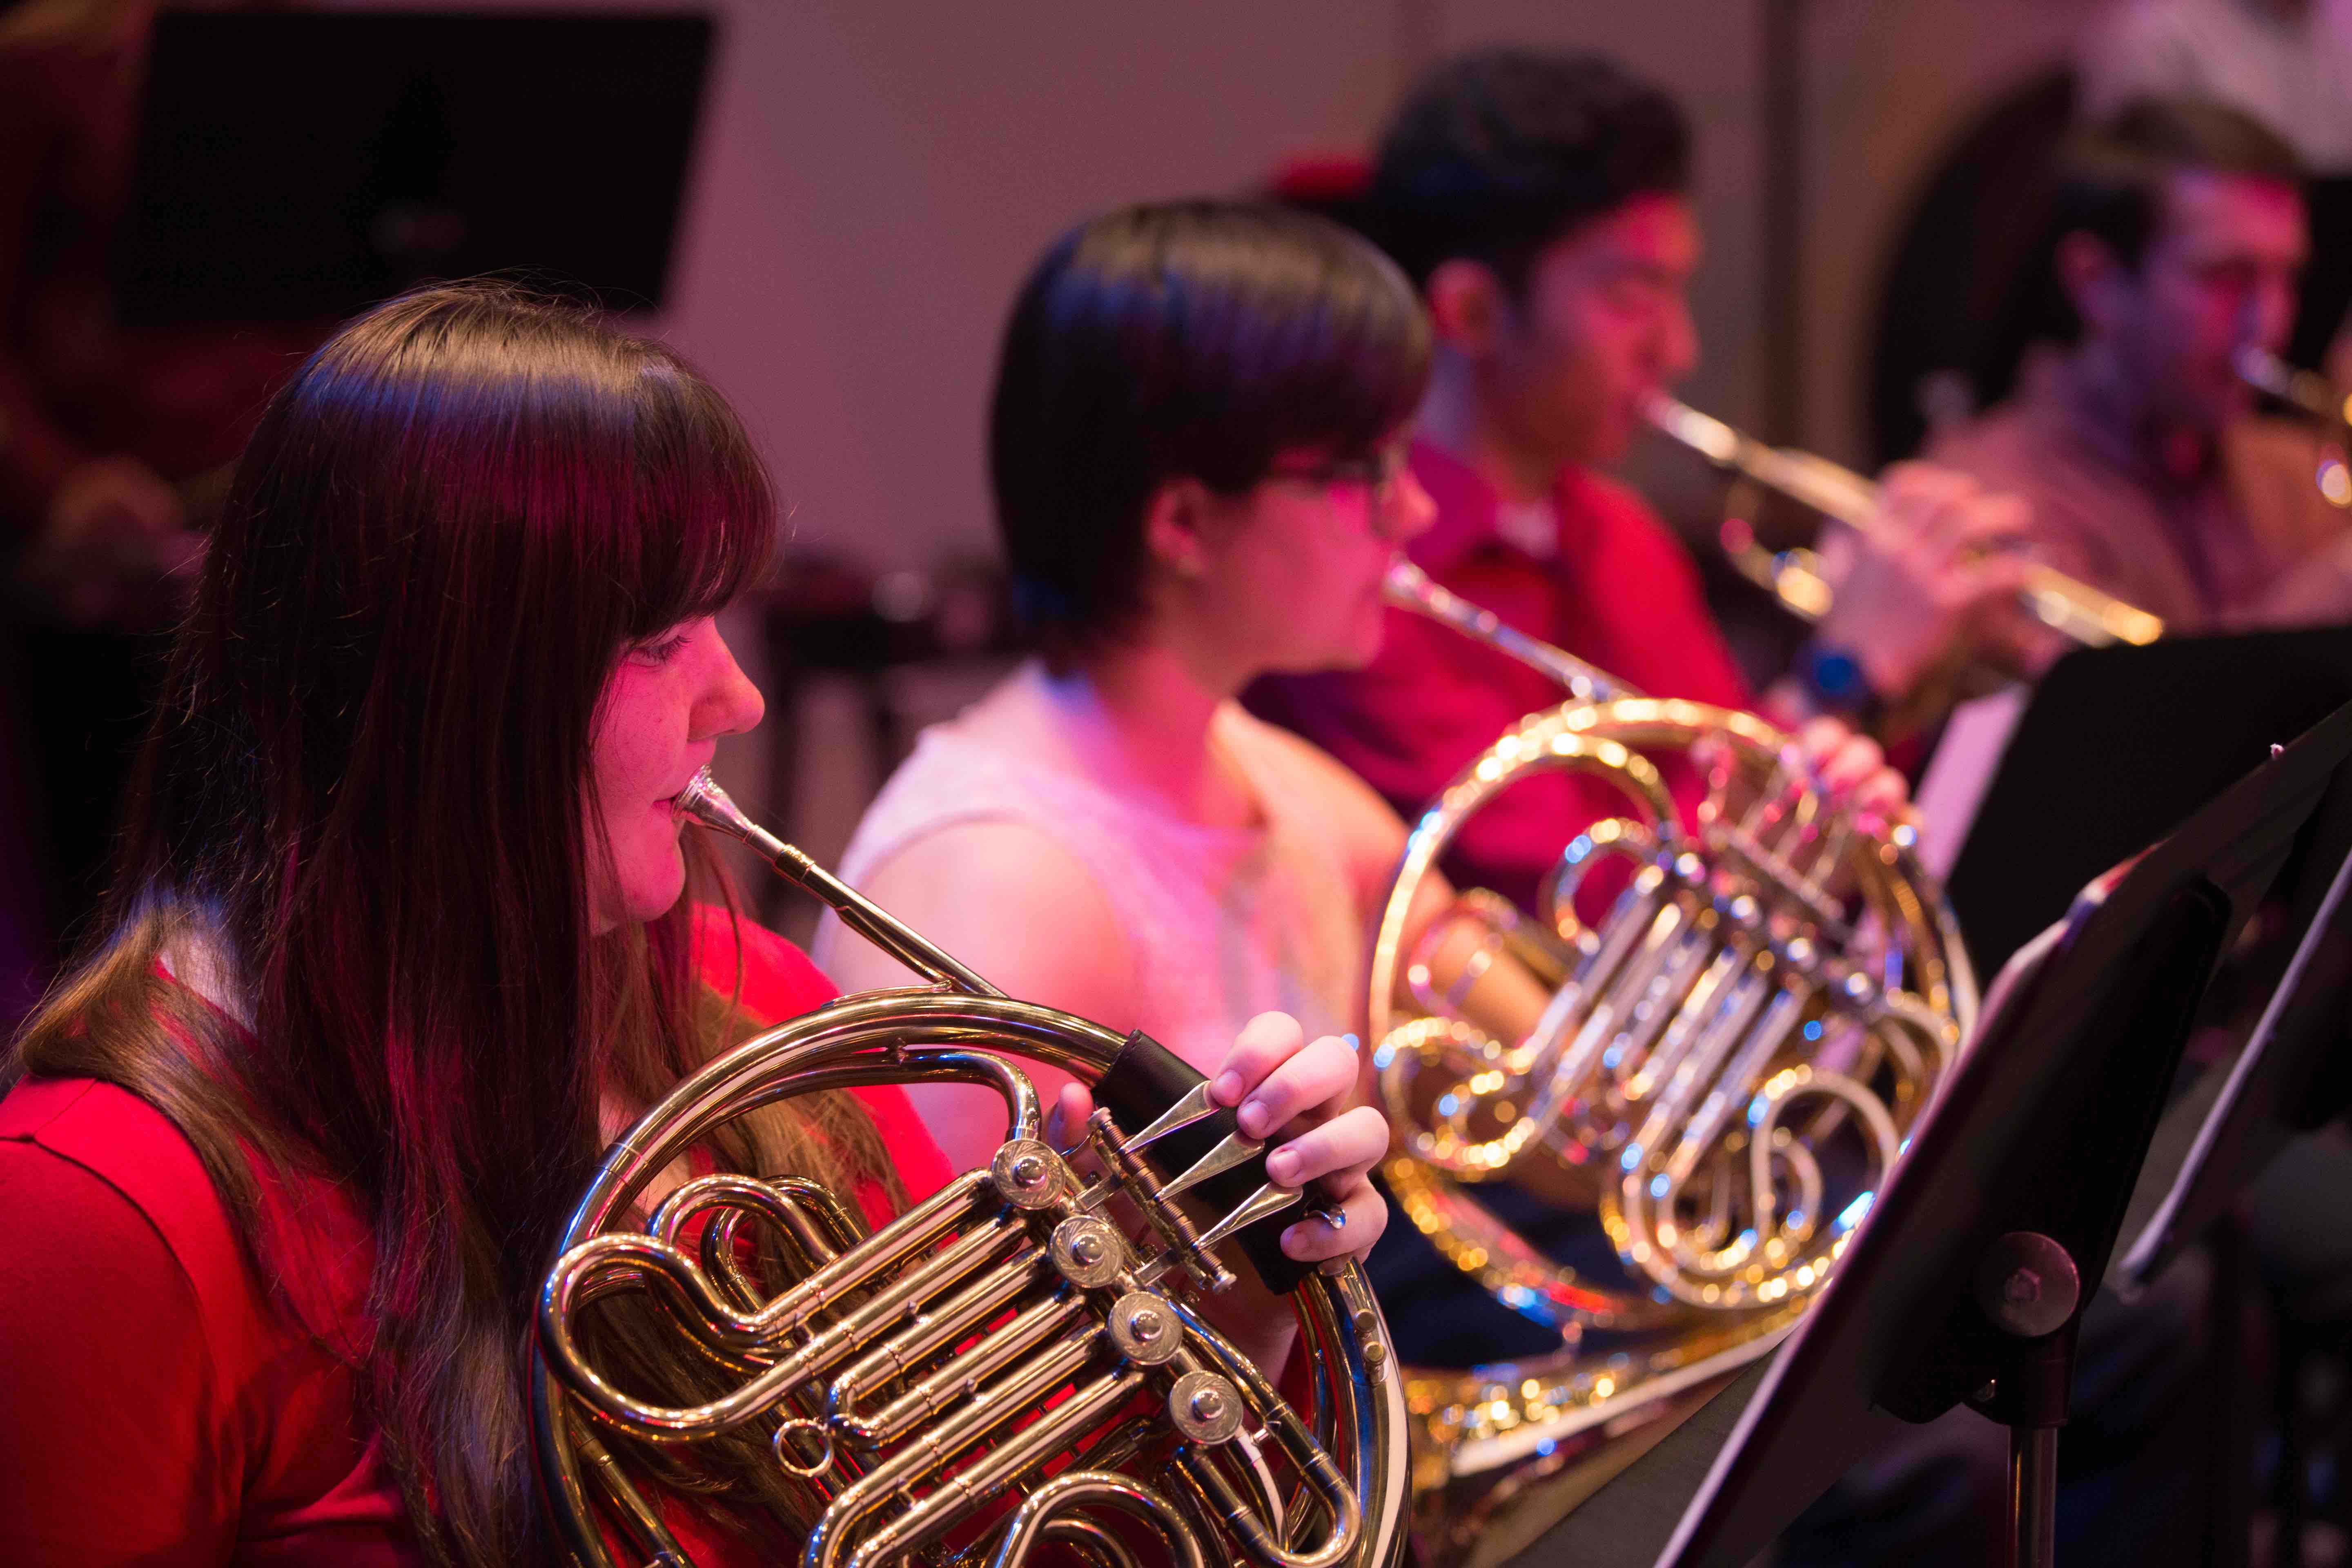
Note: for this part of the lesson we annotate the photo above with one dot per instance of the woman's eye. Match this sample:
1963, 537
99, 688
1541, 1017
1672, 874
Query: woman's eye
662, 650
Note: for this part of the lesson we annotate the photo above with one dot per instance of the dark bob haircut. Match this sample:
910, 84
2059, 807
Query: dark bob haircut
1497, 153
2110, 176
1191, 340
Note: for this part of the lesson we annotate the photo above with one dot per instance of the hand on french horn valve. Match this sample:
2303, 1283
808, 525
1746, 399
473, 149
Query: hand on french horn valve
1847, 768
1283, 1083
1852, 770
1939, 565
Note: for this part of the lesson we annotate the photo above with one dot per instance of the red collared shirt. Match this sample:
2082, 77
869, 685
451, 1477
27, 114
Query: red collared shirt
1619, 592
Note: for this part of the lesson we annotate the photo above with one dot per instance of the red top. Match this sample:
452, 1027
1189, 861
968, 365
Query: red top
155, 1406
1619, 592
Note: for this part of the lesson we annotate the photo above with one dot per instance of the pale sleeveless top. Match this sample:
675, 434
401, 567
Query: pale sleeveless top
1221, 924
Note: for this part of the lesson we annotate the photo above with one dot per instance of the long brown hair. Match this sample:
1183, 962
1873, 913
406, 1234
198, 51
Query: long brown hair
364, 789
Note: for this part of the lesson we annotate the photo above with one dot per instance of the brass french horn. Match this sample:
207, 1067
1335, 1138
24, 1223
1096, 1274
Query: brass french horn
1030, 1331
1727, 1064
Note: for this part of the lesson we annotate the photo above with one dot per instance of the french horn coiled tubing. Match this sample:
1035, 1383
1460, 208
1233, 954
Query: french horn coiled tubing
1730, 1059
1017, 1359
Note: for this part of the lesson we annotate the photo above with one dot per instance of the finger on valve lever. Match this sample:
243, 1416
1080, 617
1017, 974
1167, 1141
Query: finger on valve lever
1264, 1043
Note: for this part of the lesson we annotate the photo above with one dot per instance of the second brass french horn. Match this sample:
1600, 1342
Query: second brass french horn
1015, 1362
1729, 1060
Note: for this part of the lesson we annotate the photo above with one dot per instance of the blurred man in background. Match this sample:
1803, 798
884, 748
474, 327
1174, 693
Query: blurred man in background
1543, 203
2180, 240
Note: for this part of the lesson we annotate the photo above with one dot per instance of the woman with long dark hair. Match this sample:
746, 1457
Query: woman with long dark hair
402, 936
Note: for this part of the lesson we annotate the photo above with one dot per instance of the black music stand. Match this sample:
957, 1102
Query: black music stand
2117, 748
2293, 1075
1968, 1281
298, 166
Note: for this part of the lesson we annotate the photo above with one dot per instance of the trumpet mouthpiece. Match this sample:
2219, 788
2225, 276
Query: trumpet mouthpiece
1710, 438
2259, 367
1405, 584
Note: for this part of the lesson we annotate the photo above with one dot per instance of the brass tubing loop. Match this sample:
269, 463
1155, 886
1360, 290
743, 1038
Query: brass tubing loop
1750, 997
1014, 1361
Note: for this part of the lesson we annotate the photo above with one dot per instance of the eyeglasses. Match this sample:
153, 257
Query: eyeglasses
1377, 471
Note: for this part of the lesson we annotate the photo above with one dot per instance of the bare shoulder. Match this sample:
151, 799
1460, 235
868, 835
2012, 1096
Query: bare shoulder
995, 855
1372, 831
1011, 901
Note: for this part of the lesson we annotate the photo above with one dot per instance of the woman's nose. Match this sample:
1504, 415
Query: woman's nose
731, 704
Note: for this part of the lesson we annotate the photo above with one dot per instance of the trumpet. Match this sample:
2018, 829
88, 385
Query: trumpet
2308, 392
2316, 398
2067, 606
1732, 1053
1018, 1332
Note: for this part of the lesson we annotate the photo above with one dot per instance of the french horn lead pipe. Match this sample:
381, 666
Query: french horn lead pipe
1408, 587
706, 803
2067, 606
